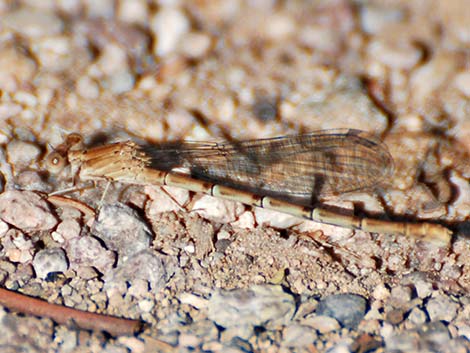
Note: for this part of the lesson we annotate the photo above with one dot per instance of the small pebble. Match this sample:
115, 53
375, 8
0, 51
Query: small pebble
31, 22
258, 305
3, 228
15, 68
462, 82
122, 229
417, 316
322, 324
17, 247
133, 11
375, 18
296, 336
348, 309
167, 199
275, 219
146, 305
400, 296
22, 153
26, 210
88, 251
87, 272
169, 25
189, 340
193, 300
395, 316
218, 210
402, 58
138, 288
119, 82
69, 229
340, 348
442, 308
145, 265
423, 288
49, 260
195, 45
245, 220
32, 181
134, 344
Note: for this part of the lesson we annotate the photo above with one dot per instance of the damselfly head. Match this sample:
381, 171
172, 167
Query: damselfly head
55, 162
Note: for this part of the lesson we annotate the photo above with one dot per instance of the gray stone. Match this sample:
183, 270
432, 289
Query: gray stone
348, 309
123, 230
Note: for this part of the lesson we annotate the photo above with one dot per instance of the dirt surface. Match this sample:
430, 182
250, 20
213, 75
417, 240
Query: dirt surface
207, 275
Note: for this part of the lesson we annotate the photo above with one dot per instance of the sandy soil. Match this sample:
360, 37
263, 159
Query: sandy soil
207, 275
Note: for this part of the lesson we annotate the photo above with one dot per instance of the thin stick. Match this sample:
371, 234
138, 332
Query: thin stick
68, 316
259, 173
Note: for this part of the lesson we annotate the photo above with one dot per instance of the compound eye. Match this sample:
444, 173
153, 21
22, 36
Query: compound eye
55, 162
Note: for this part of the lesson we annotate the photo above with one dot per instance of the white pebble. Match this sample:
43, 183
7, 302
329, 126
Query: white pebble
218, 210
322, 323
69, 229
265, 217
25, 98
375, 18
193, 300
146, 305
3, 228
120, 82
133, 11
246, 220
15, 68
195, 45
168, 25
53, 53
26, 210
132, 343
405, 57
22, 153
31, 22
442, 308
462, 82
7, 110
49, 260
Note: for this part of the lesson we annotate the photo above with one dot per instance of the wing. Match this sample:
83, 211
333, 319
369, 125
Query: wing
305, 166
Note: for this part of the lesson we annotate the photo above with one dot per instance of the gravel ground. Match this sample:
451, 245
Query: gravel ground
207, 275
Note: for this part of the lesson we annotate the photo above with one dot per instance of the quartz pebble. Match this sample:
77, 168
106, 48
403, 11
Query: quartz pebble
26, 210
49, 260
